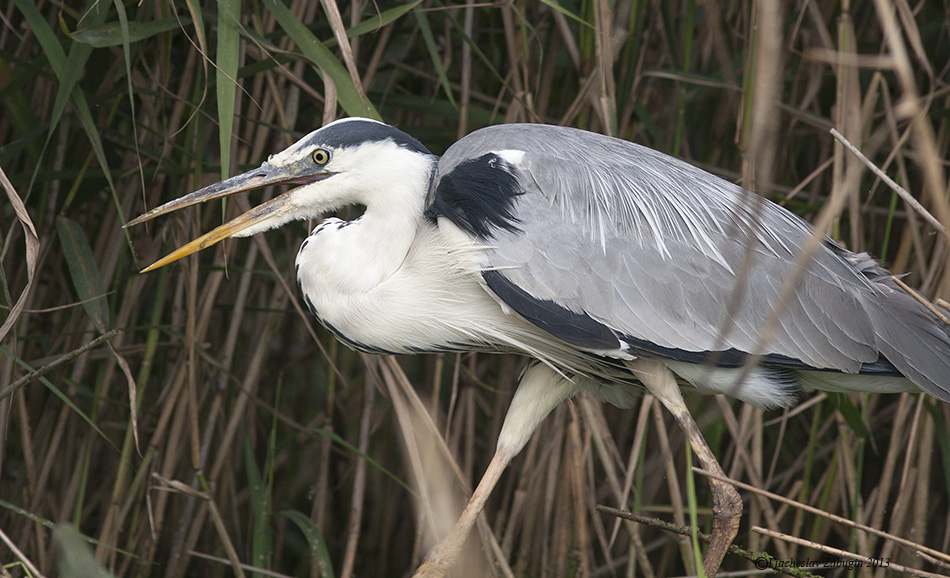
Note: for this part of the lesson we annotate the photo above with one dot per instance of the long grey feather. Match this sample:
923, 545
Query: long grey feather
654, 248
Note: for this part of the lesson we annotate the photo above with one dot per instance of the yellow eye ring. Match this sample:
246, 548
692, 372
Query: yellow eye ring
320, 156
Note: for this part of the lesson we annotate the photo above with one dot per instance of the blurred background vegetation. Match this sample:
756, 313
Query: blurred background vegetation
192, 418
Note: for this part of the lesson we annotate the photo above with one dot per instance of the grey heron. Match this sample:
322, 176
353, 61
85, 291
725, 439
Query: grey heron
611, 265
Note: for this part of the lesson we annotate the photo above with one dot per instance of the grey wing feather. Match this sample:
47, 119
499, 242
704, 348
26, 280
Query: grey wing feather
666, 254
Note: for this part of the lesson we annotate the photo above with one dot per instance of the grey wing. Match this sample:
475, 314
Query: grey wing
613, 246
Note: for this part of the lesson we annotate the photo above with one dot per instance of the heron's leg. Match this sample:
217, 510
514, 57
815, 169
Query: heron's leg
540, 390
727, 504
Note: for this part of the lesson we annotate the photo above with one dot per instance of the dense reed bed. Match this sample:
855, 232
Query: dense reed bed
193, 420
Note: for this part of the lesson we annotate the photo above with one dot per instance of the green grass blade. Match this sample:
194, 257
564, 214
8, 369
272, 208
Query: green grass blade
434, 54
260, 492
130, 89
111, 34
68, 69
693, 513
83, 271
381, 19
336, 438
320, 55
553, 5
318, 548
226, 68
850, 413
44, 35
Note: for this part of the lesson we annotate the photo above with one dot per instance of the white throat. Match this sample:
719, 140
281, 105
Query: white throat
352, 257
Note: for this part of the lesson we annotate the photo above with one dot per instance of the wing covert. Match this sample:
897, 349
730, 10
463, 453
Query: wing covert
670, 259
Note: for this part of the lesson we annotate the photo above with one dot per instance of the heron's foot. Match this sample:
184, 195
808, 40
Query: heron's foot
727, 510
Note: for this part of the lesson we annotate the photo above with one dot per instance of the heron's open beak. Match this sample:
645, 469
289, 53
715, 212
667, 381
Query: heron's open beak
264, 176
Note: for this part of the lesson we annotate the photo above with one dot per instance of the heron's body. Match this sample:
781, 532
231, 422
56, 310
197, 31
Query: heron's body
609, 263
422, 270
430, 300
423, 302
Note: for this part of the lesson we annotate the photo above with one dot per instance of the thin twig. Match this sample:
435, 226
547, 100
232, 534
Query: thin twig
8, 391
908, 198
832, 517
759, 558
359, 481
213, 512
34, 571
891, 566
226, 562
922, 300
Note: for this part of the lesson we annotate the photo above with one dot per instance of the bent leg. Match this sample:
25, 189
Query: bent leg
727, 504
540, 390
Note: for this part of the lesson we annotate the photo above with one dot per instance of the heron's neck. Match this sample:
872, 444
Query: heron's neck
356, 256
379, 241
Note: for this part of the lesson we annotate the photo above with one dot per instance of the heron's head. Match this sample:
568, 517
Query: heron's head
347, 162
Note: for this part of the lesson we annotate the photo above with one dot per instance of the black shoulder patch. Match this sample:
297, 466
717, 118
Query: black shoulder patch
478, 196
575, 328
357, 131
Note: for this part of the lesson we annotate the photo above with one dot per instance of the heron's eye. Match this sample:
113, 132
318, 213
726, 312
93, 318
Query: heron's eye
320, 156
